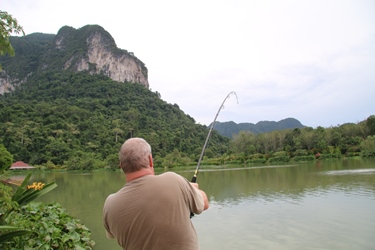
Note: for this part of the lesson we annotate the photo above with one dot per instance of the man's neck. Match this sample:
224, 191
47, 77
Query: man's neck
135, 175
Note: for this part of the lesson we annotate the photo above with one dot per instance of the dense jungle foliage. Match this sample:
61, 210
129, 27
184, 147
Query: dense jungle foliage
28, 54
80, 121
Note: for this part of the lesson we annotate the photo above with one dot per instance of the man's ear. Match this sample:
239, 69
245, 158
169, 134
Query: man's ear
151, 161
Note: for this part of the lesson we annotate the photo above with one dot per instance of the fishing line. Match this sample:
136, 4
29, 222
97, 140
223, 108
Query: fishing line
194, 179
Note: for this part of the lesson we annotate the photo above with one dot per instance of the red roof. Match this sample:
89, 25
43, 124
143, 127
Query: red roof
20, 165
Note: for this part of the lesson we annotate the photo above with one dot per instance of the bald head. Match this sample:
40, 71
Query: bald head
134, 155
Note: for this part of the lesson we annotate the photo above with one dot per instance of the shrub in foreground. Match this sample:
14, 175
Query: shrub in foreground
51, 228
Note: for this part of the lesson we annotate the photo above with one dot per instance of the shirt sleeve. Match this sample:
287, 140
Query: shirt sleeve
105, 222
109, 235
195, 198
197, 205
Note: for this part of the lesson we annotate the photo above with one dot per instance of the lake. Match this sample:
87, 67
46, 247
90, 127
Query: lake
317, 205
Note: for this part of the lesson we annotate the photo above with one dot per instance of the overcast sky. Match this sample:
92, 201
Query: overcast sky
310, 60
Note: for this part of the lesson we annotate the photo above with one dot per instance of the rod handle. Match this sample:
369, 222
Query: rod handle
194, 179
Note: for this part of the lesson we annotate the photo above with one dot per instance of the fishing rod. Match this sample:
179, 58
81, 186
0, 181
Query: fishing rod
194, 179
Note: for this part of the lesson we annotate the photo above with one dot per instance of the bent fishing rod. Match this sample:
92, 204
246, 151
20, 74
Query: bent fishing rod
194, 179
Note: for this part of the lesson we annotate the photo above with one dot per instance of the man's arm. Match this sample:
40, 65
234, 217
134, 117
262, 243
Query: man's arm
105, 222
205, 199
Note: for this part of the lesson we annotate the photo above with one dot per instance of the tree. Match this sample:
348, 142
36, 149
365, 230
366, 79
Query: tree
8, 25
368, 144
370, 123
243, 143
368, 147
306, 139
6, 159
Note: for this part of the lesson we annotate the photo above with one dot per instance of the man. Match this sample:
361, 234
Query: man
152, 211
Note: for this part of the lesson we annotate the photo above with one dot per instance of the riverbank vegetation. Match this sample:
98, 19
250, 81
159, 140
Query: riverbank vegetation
26, 224
306, 144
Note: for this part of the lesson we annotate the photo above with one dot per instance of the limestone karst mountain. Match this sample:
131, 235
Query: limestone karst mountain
90, 49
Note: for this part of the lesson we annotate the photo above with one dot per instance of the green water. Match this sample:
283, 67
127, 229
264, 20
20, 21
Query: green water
324, 205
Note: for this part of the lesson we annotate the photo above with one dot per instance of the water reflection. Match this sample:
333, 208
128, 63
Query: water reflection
293, 208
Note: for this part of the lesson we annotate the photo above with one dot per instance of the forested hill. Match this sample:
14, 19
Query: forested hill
62, 117
229, 129
73, 98
88, 49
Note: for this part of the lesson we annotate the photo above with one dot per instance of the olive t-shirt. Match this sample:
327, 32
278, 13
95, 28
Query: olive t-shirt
153, 212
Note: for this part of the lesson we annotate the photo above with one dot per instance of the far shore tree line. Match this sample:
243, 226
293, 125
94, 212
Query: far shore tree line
306, 144
300, 144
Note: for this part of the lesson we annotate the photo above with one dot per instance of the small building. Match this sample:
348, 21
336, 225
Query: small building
20, 165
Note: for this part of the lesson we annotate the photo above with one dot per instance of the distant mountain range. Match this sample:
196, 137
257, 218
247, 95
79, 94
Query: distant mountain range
229, 129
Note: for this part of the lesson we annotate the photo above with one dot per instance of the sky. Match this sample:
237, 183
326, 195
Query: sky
313, 60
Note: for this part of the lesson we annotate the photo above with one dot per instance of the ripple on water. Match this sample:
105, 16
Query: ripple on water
350, 172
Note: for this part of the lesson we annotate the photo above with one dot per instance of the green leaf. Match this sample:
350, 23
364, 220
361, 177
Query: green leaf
21, 188
79, 248
30, 196
3, 228
45, 245
8, 235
